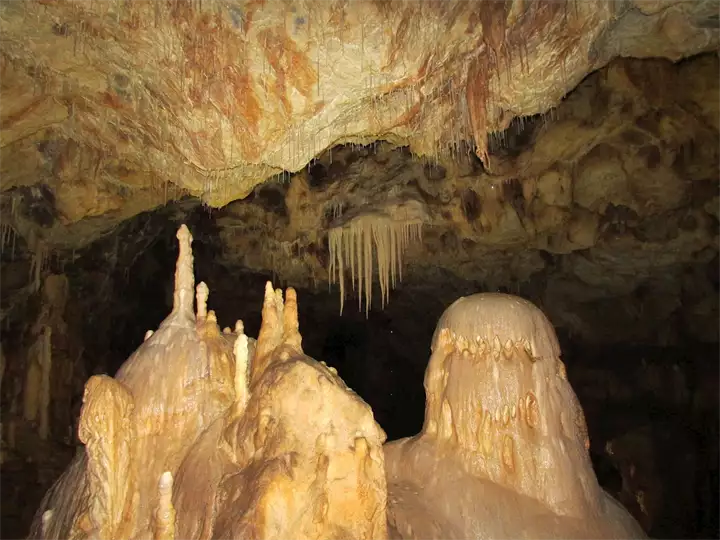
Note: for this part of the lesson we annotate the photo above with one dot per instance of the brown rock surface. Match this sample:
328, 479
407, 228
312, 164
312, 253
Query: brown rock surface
129, 105
564, 151
593, 145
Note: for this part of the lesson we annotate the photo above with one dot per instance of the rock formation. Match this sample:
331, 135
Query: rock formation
504, 449
120, 107
109, 111
566, 151
190, 440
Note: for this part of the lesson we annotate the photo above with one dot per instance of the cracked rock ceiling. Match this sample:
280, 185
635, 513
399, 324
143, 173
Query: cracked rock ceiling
577, 138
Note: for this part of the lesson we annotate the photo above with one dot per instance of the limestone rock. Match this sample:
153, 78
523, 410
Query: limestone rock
303, 459
504, 449
215, 97
193, 441
176, 384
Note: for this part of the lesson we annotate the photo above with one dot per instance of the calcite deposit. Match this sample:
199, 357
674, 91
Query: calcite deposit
504, 449
400, 154
202, 436
193, 439
519, 127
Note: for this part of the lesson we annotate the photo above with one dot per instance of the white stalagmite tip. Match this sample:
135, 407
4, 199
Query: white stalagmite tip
184, 277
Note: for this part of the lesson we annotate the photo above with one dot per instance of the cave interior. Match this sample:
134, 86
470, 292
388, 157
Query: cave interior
598, 202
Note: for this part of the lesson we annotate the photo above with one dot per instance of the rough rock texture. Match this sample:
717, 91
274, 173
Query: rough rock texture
565, 151
271, 445
299, 457
504, 449
612, 200
118, 107
599, 173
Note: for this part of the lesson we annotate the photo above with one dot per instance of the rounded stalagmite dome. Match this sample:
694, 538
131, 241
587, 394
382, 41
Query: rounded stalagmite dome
487, 316
497, 393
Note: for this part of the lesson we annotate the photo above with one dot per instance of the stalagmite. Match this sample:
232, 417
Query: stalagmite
239, 327
305, 456
107, 429
46, 517
279, 325
201, 295
33, 381
241, 373
184, 277
164, 518
496, 357
138, 426
177, 445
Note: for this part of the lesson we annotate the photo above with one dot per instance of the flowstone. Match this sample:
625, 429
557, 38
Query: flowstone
504, 445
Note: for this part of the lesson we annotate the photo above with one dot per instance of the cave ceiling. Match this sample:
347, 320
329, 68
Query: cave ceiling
580, 136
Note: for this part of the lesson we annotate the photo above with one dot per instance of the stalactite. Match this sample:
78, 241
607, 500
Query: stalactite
37, 264
9, 237
356, 243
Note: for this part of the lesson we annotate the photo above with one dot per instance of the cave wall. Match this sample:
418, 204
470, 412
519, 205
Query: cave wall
118, 108
612, 198
604, 213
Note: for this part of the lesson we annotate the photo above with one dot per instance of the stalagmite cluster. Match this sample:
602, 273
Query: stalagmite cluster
204, 434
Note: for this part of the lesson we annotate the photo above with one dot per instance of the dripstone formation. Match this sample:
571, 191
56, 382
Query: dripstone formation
210, 434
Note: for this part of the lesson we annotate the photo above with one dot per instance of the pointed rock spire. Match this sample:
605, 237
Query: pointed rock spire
279, 329
164, 519
291, 326
240, 351
201, 295
270, 331
184, 277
